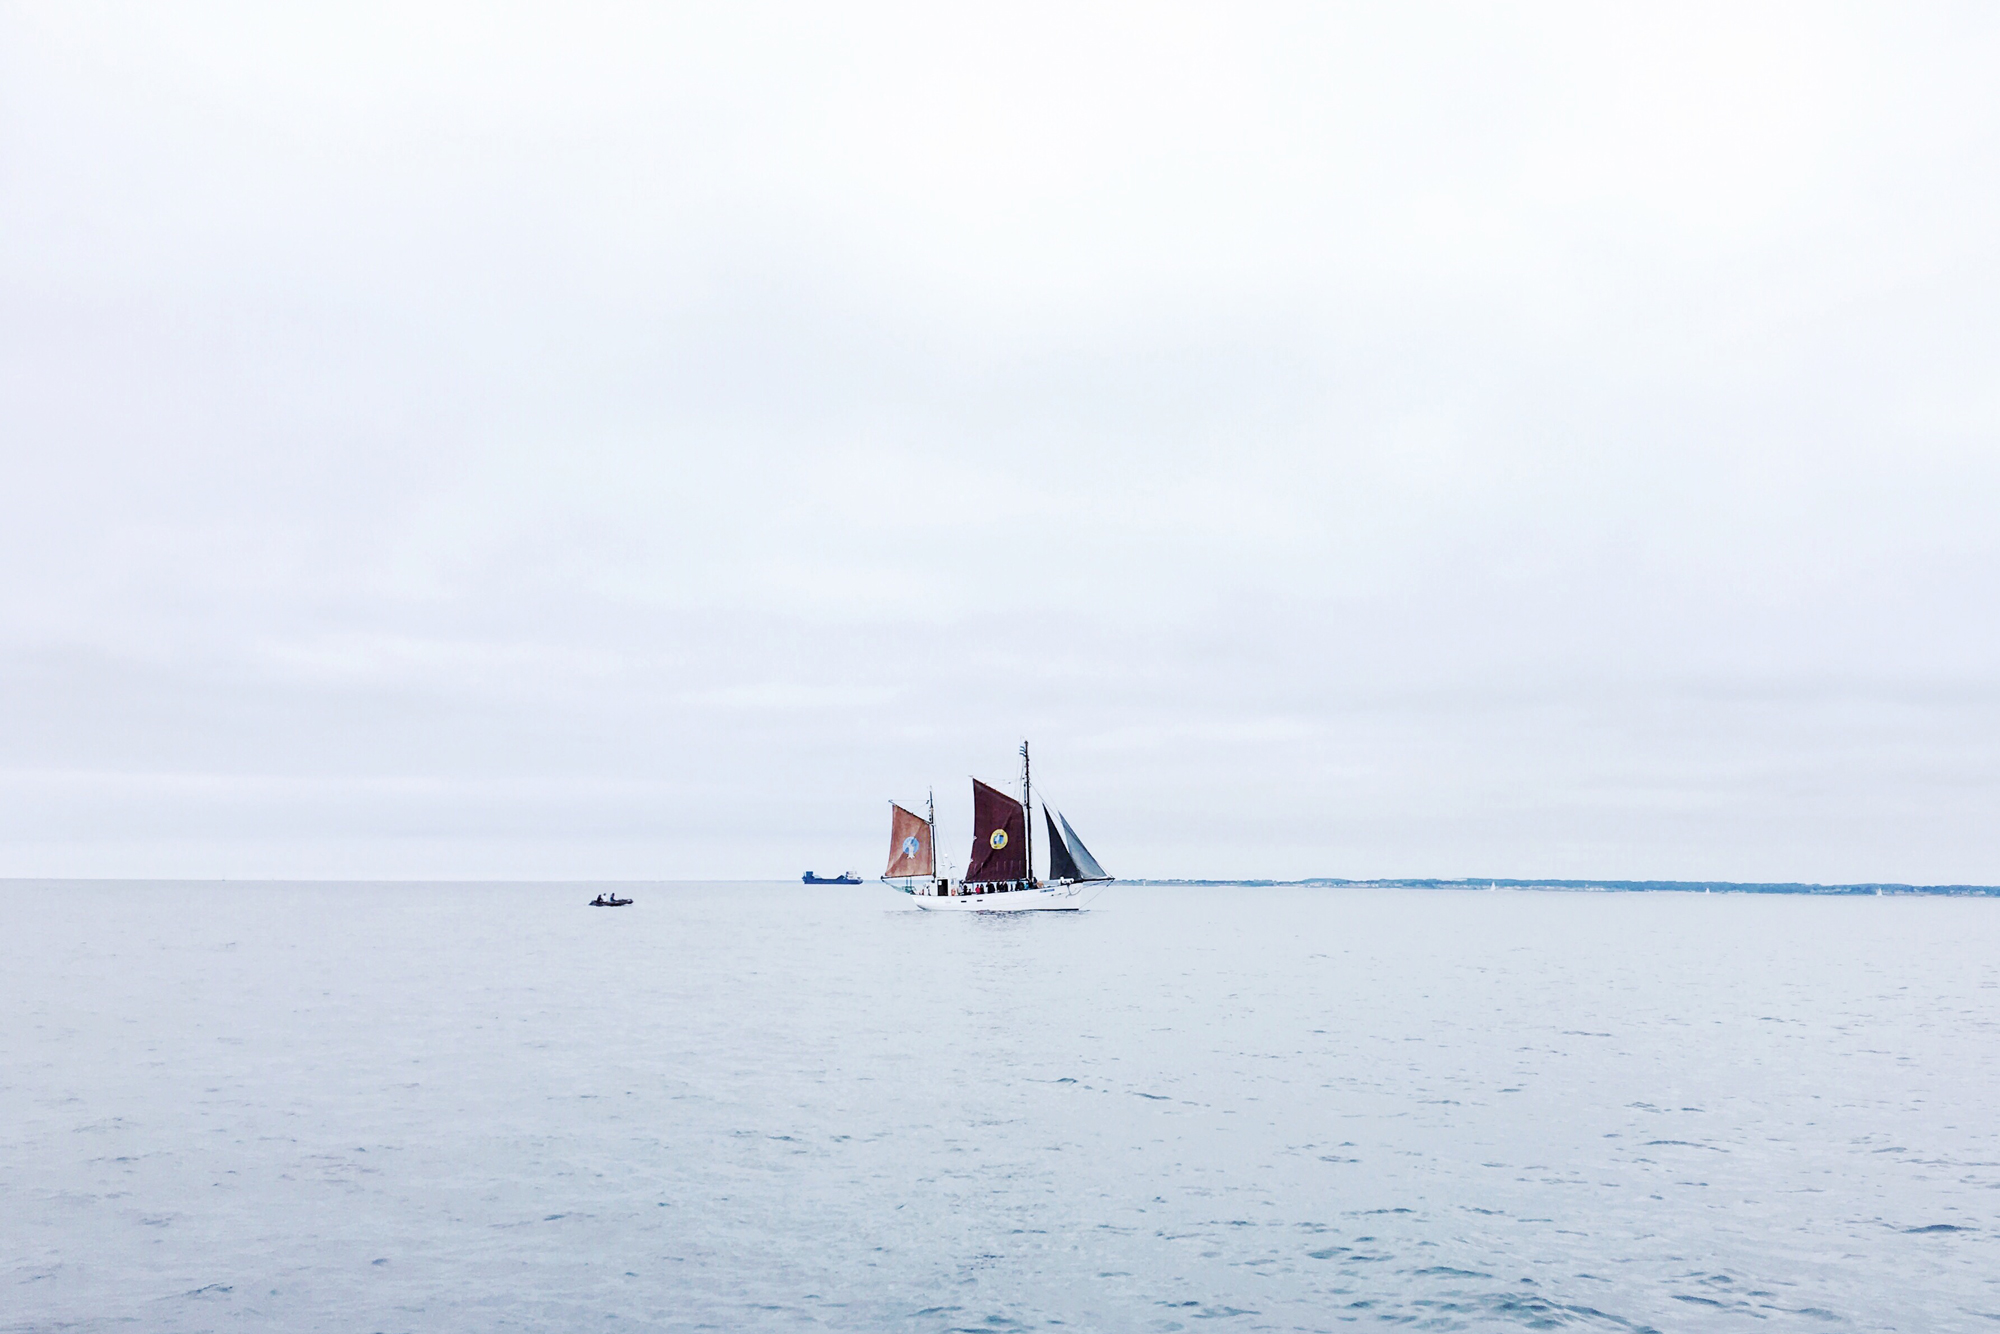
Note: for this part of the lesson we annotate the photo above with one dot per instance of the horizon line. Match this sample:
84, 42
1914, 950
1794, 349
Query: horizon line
1373, 882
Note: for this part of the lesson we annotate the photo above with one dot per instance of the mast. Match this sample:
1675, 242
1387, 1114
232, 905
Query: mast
1028, 814
930, 818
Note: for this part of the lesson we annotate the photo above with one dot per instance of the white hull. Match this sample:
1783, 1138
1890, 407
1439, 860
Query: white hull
1048, 898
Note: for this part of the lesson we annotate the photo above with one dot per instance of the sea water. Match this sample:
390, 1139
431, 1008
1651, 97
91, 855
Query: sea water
771, 1107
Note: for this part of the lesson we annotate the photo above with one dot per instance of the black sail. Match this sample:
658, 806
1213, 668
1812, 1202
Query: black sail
1091, 870
1062, 866
999, 837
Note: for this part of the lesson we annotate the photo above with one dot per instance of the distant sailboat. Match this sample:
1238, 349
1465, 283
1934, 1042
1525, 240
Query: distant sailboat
1001, 875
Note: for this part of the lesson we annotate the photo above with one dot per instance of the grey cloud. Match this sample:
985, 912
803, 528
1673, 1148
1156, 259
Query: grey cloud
617, 443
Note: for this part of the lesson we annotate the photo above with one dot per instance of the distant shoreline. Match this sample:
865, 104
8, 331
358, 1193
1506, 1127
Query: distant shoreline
1608, 886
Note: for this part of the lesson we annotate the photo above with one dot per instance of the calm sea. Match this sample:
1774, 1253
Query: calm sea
762, 1106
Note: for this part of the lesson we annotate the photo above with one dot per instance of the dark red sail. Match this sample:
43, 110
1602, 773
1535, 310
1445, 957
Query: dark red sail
999, 837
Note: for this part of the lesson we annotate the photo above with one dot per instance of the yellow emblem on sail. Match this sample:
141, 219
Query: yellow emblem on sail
999, 839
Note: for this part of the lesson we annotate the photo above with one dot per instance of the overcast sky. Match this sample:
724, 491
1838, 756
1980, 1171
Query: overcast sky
641, 441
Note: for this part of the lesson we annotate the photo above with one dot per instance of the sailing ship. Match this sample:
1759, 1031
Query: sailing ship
1000, 877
